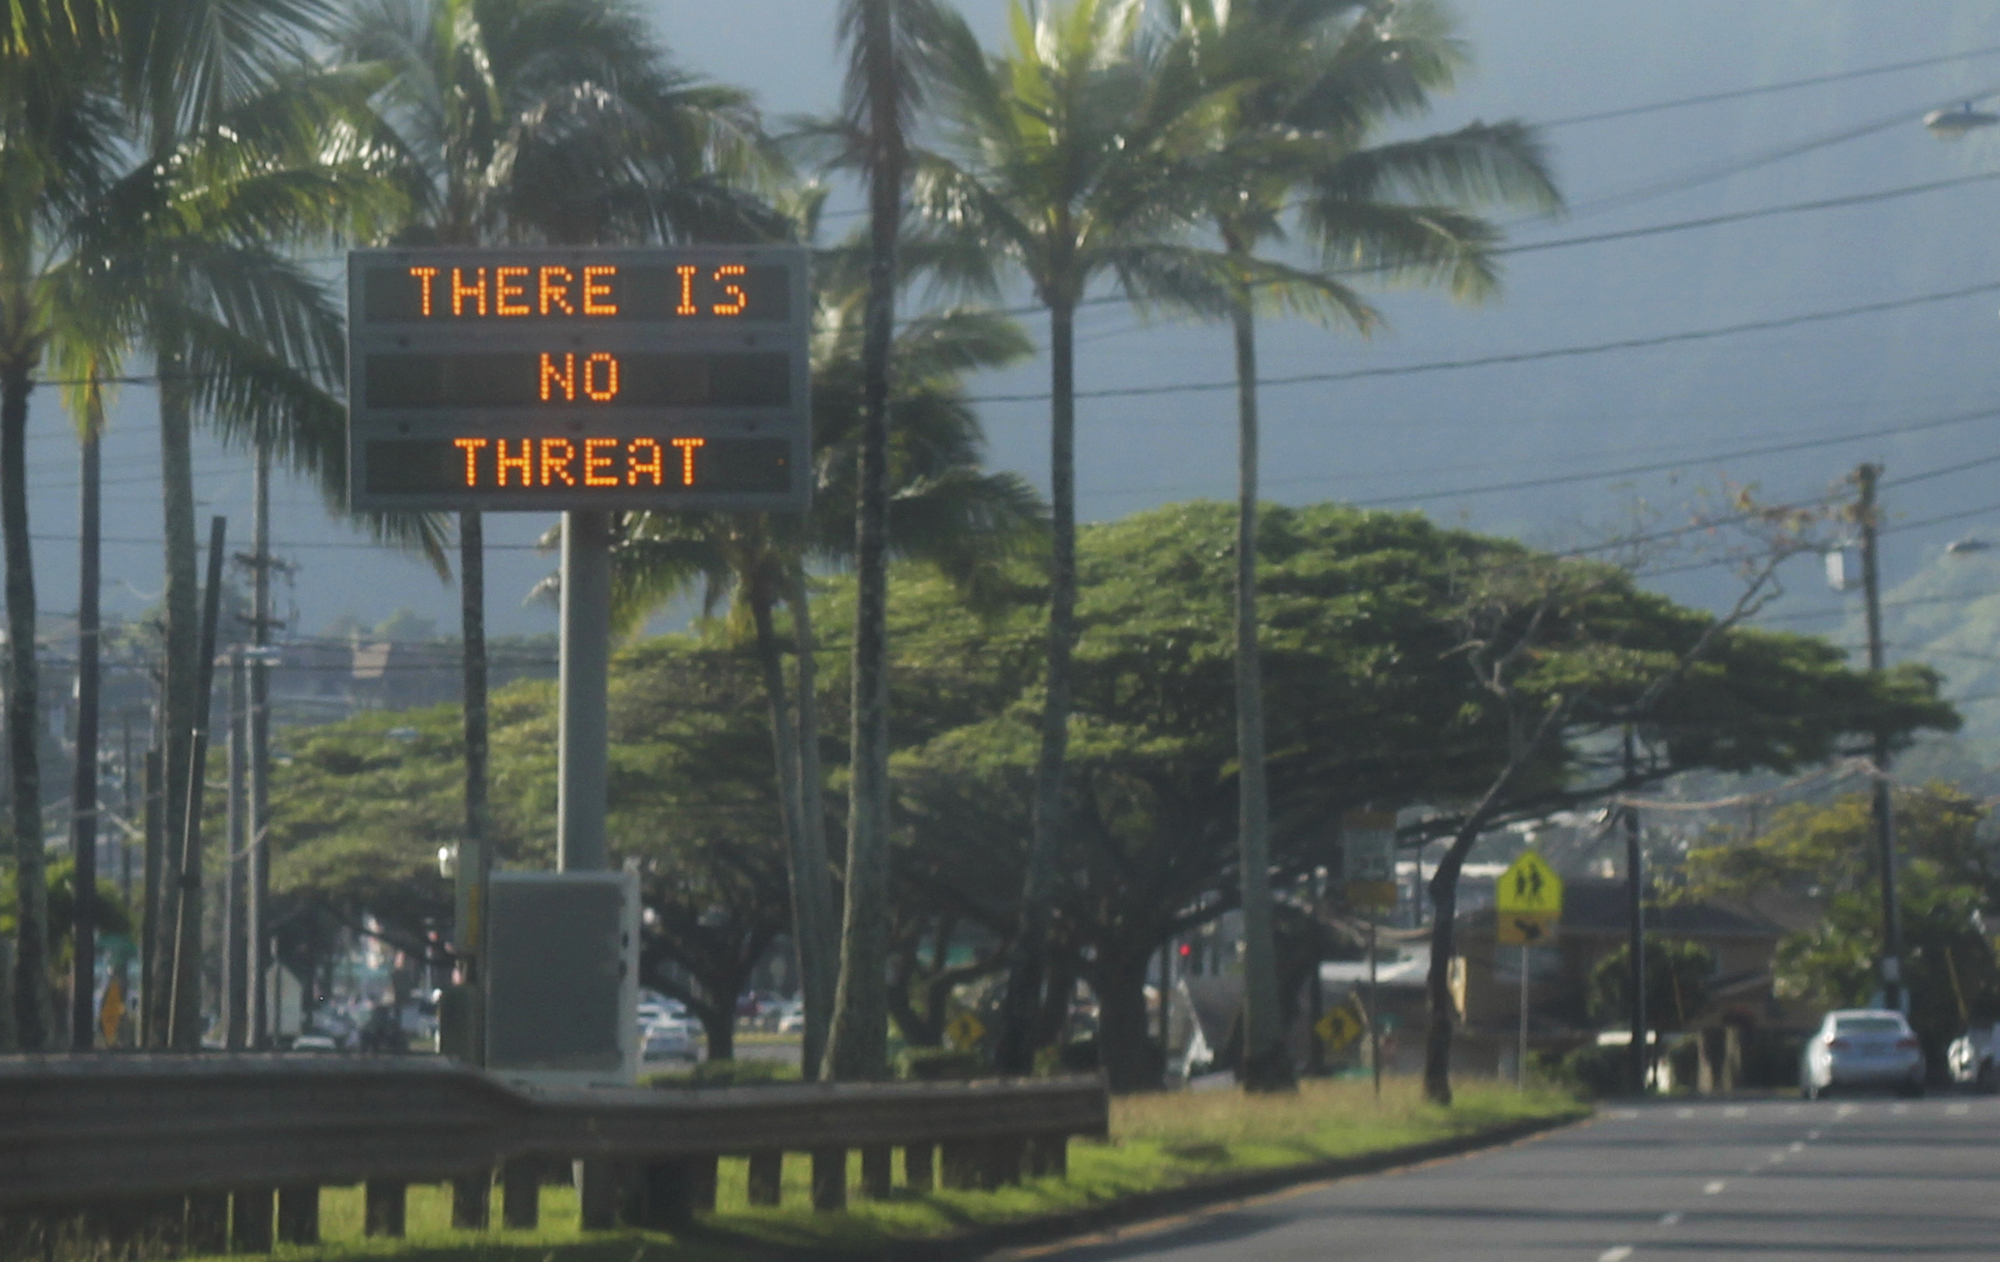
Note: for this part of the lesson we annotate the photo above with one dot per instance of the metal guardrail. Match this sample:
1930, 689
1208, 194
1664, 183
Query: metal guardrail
91, 1134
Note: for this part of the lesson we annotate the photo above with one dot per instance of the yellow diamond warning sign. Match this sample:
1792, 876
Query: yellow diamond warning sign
1530, 885
1529, 901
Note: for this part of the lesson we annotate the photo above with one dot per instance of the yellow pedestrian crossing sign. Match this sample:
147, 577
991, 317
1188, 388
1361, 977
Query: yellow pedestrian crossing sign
1529, 901
1337, 1028
964, 1031
1530, 885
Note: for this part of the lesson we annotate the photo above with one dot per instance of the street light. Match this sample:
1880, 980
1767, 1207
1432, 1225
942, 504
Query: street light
1955, 122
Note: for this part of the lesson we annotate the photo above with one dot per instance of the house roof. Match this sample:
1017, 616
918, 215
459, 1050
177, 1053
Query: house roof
1602, 908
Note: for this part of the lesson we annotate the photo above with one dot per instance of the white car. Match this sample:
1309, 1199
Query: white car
1970, 1057
668, 1040
1862, 1047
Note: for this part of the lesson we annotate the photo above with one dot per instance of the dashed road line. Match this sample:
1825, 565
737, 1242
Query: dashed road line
1671, 1220
1798, 1145
1735, 1110
1957, 1110
1713, 1186
1617, 1254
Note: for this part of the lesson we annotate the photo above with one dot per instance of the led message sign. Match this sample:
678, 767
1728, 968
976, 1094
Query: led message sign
541, 379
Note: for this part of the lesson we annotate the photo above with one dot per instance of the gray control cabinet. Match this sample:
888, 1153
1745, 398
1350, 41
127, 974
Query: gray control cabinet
562, 978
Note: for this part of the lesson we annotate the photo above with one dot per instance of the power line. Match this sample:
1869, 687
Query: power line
1517, 357
1710, 98
1658, 466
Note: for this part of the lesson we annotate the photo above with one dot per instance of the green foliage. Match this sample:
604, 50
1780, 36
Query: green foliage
712, 1074
1592, 1072
1825, 855
1677, 976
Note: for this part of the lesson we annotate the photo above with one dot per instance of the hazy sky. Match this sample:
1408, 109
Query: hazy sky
1422, 438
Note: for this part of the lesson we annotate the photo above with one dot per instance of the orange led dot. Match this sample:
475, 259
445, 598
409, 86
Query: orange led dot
552, 289
592, 291
687, 446
601, 387
687, 306
644, 455
564, 376
502, 291
525, 462
424, 275
460, 291
557, 453
594, 465
471, 448
737, 299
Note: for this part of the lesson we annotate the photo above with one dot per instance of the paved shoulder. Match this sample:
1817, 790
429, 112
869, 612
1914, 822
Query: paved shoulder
1768, 1180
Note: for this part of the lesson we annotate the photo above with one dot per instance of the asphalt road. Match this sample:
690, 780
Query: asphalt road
1768, 1180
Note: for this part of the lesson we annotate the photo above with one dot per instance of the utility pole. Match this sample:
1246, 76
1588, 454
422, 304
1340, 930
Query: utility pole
83, 783
257, 860
1635, 879
184, 999
236, 975
1883, 804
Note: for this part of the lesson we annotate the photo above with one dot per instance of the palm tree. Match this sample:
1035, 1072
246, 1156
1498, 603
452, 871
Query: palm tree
546, 120
58, 132
1318, 79
1067, 157
185, 256
941, 508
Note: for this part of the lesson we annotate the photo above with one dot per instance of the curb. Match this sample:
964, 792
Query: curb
1197, 1194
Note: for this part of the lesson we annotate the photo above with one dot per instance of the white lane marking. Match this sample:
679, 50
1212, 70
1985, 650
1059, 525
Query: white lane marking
1899, 1109
1684, 1113
1814, 1134
1713, 1186
1957, 1110
1777, 1157
1793, 1108
1671, 1220
1618, 1254
1798, 1145
1735, 1110
1846, 1109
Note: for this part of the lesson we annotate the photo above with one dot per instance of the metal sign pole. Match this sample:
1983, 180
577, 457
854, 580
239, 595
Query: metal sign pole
1521, 1059
1374, 1009
582, 751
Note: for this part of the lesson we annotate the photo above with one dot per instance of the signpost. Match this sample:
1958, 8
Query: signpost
1368, 854
585, 381
1529, 903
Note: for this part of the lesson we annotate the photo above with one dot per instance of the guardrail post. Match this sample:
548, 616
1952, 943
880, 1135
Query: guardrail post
298, 1213
250, 1230
958, 1161
829, 1179
208, 1222
875, 1171
597, 1193
767, 1177
521, 1193
919, 1164
1048, 1155
472, 1200
672, 1192
384, 1203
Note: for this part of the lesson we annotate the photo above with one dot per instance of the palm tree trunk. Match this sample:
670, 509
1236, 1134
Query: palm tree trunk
83, 781
808, 914
1267, 1064
183, 674
813, 877
1028, 969
34, 1017
857, 1046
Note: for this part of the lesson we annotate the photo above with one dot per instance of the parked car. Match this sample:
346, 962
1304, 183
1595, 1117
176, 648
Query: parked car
1970, 1058
1862, 1047
669, 1040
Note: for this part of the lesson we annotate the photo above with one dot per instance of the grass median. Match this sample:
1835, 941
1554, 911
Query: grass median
1157, 1142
